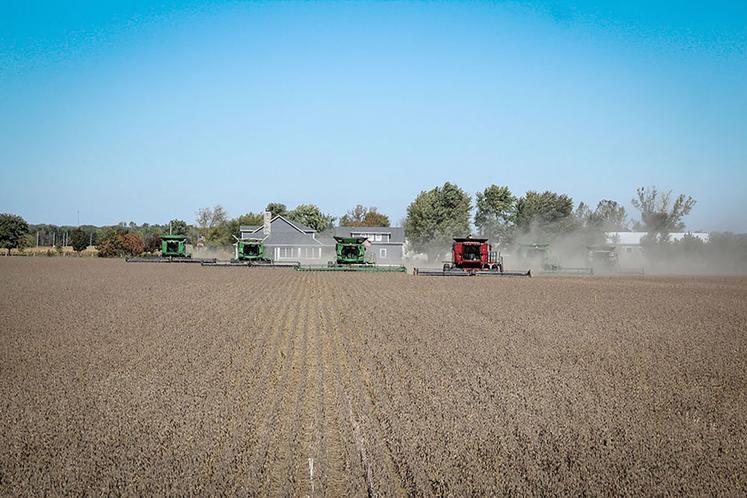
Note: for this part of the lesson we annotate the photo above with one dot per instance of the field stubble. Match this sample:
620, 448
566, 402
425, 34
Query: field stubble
187, 380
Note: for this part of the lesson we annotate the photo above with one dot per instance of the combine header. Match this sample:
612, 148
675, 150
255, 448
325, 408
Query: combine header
472, 257
173, 250
351, 256
251, 252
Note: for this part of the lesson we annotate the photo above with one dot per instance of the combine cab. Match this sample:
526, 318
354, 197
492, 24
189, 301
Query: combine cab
538, 256
173, 250
472, 257
350, 255
251, 252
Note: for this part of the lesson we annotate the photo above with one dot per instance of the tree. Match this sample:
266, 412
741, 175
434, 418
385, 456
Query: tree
361, 216
311, 216
211, 217
152, 242
13, 230
588, 231
120, 242
233, 227
496, 207
79, 240
609, 216
277, 209
133, 244
659, 215
437, 216
178, 227
547, 211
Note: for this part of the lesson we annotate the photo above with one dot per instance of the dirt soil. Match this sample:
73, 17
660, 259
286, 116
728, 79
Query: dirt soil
177, 379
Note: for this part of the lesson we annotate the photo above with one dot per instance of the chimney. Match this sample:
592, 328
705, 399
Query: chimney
267, 227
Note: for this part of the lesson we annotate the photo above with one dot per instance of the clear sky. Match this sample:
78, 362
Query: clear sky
147, 111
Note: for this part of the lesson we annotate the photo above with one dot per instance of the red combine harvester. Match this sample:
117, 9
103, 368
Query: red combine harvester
469, 257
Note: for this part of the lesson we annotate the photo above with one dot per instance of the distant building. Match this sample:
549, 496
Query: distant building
287, 240
629, 249
385, 244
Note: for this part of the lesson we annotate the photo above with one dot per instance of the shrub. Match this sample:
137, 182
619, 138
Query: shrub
120, 243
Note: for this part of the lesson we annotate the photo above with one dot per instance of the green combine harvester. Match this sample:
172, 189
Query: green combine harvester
605, 261
251, 252
173, 250
537, 255
350, 255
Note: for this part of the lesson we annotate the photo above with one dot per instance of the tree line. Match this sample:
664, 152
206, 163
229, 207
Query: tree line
212, 227
436, 216
433, 219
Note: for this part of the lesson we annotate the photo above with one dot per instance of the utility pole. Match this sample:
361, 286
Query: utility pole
169, 228
37, 238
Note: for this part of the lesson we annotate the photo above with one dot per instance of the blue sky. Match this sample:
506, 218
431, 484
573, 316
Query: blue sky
147, 111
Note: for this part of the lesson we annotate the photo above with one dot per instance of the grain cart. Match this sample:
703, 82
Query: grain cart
251, 252
350, 255
472, 257
173, 250
537, 255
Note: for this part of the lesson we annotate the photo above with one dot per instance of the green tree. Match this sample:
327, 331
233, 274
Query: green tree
659, 215
547, 211
178, 227
589, 232
214, 225
361, 216
78, 239
609, 216
496, 207
437, 216
13, 230
311, 216
211, 217
233, 226
277, 209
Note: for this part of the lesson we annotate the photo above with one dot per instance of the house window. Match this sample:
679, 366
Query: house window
382, 253
285, 252
378, 237
312, 252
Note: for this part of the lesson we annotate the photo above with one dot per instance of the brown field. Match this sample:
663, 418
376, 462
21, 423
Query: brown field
176, 379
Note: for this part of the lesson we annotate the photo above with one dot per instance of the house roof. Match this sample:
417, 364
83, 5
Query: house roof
301, 235
634, 238
298, 226
396, 234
